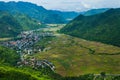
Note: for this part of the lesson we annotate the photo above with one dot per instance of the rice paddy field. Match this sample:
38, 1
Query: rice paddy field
74, 56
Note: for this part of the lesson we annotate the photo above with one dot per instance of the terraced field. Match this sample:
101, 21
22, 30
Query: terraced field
74, 56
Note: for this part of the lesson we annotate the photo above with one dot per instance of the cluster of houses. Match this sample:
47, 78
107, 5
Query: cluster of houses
26, 41
24, 45
36, 64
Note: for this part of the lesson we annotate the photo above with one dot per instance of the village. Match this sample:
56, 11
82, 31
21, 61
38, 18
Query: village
24, 46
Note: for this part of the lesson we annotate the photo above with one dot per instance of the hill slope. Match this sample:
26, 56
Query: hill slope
11, 73
74, 56
9, 26
8, 56
12, 25
103, 27
26, 22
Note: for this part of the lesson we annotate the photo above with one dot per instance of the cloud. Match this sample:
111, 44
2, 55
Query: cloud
86, 5
74, 5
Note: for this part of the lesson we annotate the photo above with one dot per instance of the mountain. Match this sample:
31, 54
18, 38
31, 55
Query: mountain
94, 11
27, 22
104, 27
12, 25
38, 12
32, 10
9, 26
68, 16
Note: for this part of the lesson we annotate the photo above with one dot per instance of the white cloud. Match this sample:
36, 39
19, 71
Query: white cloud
86, 5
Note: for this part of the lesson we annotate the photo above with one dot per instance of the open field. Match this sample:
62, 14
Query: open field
54, 27
4, 39
73, 56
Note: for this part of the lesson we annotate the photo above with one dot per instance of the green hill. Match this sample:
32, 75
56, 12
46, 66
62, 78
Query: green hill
12, 25
27, 22
8, 56
104, 27
11, 73
8, 73
9, 26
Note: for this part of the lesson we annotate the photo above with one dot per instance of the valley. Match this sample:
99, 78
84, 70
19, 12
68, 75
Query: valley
71, 56
38, 43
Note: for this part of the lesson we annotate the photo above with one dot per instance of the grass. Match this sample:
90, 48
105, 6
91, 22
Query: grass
12, 73
74, 56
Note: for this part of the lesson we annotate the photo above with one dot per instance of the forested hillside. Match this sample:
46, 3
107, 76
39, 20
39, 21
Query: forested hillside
9, 26
8, 56
27, 22
12, 25
104, 27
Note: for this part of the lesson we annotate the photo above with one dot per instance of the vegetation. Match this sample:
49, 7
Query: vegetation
94, 11
32, 10
74, 56
9, 27
27, 22
104, 27
8, 56
38, 12
12, 73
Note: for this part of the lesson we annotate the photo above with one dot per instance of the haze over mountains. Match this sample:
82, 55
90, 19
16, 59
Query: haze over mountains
41, 14
94, 11
32, 10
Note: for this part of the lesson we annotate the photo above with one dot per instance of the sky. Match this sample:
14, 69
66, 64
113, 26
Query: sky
74, 5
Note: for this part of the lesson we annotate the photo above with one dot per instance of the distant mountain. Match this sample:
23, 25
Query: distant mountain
33, 11
68, 16
94, 11
9, 26
104, 27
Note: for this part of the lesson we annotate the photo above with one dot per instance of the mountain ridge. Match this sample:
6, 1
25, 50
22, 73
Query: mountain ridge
102, 27
33, 11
